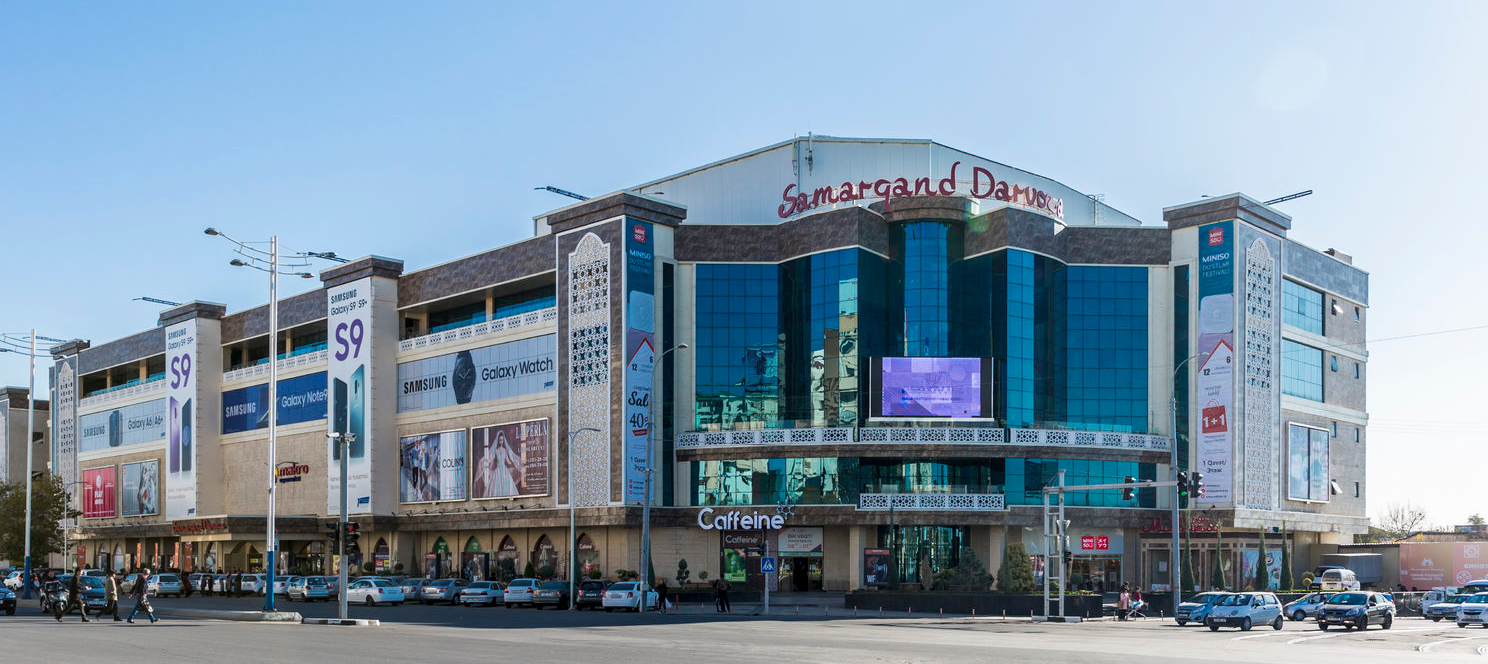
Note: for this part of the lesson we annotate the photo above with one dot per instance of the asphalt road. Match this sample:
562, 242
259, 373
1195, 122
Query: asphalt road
443, 634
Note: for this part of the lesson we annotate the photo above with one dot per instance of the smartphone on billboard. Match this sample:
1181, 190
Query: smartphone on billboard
356, 400
174, 451
338, 422
186, 436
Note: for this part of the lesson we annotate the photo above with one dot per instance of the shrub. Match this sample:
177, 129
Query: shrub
397, 568
596, 574
529, 571
703, 576
1016, 573
506, 568
682, 574
545, 572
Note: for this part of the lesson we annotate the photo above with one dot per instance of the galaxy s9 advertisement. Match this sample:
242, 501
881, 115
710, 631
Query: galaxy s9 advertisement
933, 387
181, 381
349, 321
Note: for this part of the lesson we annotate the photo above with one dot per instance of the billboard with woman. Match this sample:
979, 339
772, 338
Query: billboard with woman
509, 460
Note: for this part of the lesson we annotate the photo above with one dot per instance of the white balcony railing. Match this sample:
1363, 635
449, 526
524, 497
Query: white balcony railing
925, 435
954, 502
131, 392
540, 317
262, 370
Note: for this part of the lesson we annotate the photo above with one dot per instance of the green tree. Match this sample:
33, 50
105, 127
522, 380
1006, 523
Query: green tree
1016, 573
529, 571
507, 568
1188, 568
1262, 570
1286, 560
970, 573
1219, 575
1475, 520
682, 574
49, 507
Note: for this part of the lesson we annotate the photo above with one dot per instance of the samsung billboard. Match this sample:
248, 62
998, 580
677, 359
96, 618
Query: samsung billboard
301, 399
512, 369
121, 427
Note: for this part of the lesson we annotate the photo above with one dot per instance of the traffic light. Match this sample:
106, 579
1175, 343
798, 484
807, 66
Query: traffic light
1198, 484
1182, 485
333, 533
1069, 558
1127, 493
351, 534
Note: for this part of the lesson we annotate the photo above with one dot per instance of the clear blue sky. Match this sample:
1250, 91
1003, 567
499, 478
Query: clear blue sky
417, 131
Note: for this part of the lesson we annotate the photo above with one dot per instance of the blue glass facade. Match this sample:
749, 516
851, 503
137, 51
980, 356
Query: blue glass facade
738, 345
1301, 307
1100, 380
928, 253
1301, 370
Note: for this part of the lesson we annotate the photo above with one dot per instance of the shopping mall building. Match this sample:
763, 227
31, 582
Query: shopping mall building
851, 349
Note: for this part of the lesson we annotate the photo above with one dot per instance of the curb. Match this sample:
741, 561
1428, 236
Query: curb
244, 616
350, 622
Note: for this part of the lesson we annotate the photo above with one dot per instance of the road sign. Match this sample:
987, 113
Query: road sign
767, 565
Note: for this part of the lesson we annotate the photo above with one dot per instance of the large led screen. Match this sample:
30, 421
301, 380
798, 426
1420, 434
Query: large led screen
933, 387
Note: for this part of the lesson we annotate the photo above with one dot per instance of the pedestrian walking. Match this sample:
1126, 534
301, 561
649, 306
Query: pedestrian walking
74, 596
1123, 605
186, 585
141, 592
110, 596
661, 596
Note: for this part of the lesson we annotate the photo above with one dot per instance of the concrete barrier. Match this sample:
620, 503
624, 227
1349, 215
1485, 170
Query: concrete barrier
245, 616
349, 622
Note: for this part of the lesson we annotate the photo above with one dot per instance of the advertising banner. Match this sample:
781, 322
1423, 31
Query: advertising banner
1307, 462
509, 460
512, 369
64, 424
932, 387
876, 568
4, 441
181, 379
1250, 563
801, 541
1214, 388
301, 399
98, 493
349, 319
640, 353
139, 488
121, 427
433, 467
1426, 565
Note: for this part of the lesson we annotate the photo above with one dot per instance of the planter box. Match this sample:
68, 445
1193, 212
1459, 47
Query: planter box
984, 604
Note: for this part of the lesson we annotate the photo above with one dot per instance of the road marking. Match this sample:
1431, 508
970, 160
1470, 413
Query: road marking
1342, 632
1426, 647
1273, 633
1483, 650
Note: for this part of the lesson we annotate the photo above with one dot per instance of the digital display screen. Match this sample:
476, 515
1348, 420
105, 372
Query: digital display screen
943, 387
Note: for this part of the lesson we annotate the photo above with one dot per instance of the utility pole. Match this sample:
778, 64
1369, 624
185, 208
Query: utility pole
342, 441
30, 453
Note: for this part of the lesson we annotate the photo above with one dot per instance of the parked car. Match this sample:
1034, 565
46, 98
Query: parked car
374, 591
1473, 610
591, 594
1356, 609
520, 592
1245, 610
442, 590
8, 601
95, 572
1447, 608
1196, 609
15, 579
310, 588
552, 593
1307, 606
168, 585
1474, 587
253, 583
488, 593
281, 584
413, 588
627, 596
1337, 579
126, 586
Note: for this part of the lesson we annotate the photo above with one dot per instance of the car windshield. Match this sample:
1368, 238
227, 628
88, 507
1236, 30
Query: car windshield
555, 585
1480, 598
623, 586
169, 578
1209, 598
1455, 599
382, 583
592, 585
443, 582
478, 585
1349, 599
1236, 600
92, 582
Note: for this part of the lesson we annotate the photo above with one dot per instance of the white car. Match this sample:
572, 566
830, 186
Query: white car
13, 580
627, 596
488, 593
520, 592
374, 591
1473, 611
253, 583
281, 584
127, 585
168, 585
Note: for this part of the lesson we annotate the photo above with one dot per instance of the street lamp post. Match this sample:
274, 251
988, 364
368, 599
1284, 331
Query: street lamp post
253, 256
650, 470
573, 542
343, 443
30, 456
1173, 561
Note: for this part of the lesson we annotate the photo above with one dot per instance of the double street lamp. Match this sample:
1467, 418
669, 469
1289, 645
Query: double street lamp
30, 450
268, 261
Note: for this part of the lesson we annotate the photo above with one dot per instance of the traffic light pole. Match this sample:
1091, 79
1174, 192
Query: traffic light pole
1056, 528
343, 444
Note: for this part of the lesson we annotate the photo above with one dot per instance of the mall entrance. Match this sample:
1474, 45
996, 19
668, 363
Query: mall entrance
800, 574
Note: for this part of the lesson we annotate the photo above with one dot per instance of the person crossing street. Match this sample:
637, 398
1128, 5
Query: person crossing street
141, 591
111, 596
75, 596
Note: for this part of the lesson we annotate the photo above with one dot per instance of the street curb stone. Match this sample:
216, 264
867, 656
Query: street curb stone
244, 616
350, 622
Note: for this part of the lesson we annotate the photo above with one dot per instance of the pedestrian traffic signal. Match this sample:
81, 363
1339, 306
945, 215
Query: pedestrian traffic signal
1198, 484
1127, 493
1182, 485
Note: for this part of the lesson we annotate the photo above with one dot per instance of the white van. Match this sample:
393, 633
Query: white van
1338, 579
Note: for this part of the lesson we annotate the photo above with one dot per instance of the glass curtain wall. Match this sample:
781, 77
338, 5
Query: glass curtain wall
1100, 380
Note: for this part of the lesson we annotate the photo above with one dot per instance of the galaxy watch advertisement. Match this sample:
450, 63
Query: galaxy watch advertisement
350, 372
513, 369
180, 382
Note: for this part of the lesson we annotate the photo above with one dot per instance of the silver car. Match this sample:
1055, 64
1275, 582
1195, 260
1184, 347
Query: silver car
1245, 610
442, 590
1307, 606
169, 585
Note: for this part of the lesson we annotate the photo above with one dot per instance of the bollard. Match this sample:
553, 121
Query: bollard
826, 611
911, 612
798, 610
880, 612
1004, 614
942, 612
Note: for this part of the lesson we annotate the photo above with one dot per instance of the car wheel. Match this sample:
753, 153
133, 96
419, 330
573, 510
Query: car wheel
1298, 615
1182, 623
1213, 627
611, 609
1245, 625
1276, 624
1389, 620
371, 602
10, 611
1323, 626
1463, 625
1436, 619
1364, 623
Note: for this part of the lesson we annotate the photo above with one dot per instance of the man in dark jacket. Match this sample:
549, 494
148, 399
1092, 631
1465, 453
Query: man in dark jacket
141, 592
75, 596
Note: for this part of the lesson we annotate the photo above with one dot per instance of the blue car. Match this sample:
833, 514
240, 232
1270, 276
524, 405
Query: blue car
1197, 608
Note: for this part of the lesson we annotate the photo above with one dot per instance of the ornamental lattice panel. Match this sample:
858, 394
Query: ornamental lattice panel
589, 370
1260, 393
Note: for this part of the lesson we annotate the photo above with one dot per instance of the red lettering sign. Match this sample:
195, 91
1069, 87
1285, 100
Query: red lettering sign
1216, 236
1087, 542
984, 185
1102, 543
639, 232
